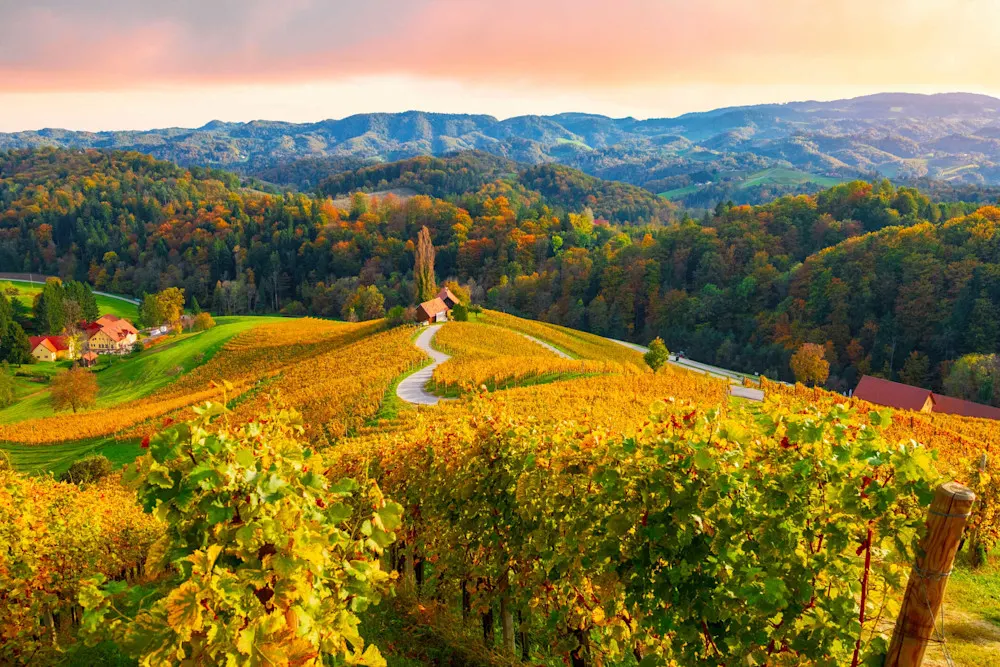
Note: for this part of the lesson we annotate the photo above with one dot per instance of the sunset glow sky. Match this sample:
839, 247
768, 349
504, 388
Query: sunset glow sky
134, 64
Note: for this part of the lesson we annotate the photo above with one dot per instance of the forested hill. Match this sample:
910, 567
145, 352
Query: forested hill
453, 176
741, 153
886, 279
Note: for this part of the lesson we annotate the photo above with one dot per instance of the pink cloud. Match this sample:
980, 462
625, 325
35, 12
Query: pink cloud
124, 44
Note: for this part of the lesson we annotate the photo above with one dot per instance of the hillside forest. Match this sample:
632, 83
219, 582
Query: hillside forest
888, 281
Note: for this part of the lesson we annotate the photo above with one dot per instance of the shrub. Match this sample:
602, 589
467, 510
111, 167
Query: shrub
294, 309
396, 316
202, 322
657, 354
87, 470
460, 313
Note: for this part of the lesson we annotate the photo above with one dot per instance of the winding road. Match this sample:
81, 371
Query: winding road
412, 388
737, 390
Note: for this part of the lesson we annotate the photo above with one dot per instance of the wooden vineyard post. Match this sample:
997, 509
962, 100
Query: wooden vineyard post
916, 625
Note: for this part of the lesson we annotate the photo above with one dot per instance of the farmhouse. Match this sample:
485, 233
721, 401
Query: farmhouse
908, 397
88, 359
110, 335
437, 309
51, 348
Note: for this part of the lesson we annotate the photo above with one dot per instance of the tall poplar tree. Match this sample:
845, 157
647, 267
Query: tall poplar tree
423, 269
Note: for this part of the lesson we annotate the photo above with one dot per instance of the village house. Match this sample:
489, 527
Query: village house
51, 348
110, 334
907, 397
88, 359
438, 308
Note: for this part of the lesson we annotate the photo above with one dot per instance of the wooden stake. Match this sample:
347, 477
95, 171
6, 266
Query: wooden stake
916, 626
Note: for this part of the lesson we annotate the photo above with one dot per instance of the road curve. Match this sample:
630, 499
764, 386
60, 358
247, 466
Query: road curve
412, 388
735, 388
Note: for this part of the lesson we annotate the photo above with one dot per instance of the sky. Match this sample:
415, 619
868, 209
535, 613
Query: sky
139, 64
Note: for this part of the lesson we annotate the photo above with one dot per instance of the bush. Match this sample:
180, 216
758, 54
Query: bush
460, 313
294, 309
87, 470
202, 322
396, 316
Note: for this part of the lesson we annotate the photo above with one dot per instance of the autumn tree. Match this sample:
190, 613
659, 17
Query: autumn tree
203, 322
164, 307
423, 269
809, 364
75, 388
657, 355
367, 303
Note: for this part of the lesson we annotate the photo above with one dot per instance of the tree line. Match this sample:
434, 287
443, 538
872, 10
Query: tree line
887, 281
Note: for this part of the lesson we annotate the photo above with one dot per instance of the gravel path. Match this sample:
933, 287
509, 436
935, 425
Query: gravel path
411, 389
554, 350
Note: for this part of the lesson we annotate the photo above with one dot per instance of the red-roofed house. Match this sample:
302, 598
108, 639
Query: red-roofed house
956, 406
449, 299
51, 348
110, 334
435, 310
894, 394
908, 397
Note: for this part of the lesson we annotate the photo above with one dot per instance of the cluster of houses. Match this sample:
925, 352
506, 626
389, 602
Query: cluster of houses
907, 397
109, 334
437, 309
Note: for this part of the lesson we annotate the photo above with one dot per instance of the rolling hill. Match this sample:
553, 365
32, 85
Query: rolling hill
951, 137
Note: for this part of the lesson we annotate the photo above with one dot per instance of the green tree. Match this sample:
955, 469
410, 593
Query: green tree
49, 313
8, 390
916, 369
15, 347
263, 561
367, 303
460, 313
657, 355
423, 268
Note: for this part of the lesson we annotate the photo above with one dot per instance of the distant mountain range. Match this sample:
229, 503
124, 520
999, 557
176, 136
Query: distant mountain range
743, 153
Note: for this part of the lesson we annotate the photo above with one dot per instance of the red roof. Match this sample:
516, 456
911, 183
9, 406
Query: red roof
908, 397
956, 406
891, 394
428, 309
117, 328
446, 295
54, 343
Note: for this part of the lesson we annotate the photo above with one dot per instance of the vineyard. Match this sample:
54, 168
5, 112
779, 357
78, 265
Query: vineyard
581, 511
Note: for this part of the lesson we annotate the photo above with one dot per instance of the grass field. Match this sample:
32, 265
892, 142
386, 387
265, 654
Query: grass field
782, 176
679, 192
772, 176
39, 459
130, 378
105, 304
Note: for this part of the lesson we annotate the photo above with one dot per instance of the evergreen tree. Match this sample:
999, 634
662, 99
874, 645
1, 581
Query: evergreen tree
50, 316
